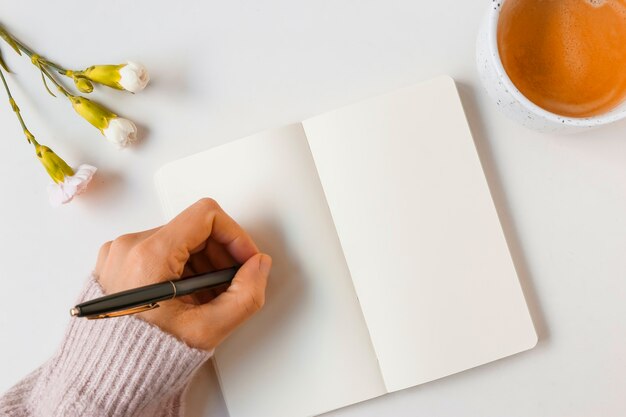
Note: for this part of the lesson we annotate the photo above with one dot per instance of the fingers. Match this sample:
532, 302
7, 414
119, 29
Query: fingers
188, 231
244, 297
212, 257
201, 238
198, 249
198, 264
218, 255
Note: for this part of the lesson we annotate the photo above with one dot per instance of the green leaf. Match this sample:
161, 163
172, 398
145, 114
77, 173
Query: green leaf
8, 39
45, 83
3, 64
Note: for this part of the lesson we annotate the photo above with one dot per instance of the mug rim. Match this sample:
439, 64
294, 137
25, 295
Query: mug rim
617, 113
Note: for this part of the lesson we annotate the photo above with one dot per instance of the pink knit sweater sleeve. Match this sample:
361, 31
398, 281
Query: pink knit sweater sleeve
113, 367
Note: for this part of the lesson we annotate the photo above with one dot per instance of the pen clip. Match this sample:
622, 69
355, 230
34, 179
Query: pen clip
133, 310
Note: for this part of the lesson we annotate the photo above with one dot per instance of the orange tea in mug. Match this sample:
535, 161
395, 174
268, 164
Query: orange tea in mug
566, 56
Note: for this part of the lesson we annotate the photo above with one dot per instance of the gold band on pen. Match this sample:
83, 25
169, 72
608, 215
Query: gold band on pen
173, 286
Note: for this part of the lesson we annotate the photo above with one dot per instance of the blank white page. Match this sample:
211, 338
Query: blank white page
308, 351
420, 233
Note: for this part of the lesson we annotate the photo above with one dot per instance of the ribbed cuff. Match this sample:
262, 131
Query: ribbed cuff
118, 367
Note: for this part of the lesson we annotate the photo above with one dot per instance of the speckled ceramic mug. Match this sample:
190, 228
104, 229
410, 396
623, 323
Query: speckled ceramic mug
510, 100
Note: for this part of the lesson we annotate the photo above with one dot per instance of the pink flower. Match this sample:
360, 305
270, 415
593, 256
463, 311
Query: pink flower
71, 186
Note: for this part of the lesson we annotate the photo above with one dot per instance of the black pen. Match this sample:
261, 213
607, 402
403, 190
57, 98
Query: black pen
145, 298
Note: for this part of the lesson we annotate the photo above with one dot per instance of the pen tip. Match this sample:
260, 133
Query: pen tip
74, 311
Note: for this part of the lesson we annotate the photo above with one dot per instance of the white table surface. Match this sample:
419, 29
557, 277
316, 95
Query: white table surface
225, 69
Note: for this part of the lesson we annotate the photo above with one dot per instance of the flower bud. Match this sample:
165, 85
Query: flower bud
94, 113
67, 182
83, 84
56, 167
131, 76
63, 192
119, 131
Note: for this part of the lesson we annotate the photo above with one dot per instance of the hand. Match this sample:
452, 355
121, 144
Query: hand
200, 239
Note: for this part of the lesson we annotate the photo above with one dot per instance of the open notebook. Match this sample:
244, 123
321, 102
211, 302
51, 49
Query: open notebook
390, 265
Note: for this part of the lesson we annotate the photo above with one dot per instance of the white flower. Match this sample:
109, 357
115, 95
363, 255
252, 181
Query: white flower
130, 76
121, 132
133, 77
64, 192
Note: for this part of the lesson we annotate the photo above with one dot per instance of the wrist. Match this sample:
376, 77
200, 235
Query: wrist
119, 365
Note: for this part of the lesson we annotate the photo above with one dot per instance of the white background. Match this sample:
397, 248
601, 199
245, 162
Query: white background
222, 70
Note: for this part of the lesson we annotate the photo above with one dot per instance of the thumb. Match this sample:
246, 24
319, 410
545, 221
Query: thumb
244, 297
251, 279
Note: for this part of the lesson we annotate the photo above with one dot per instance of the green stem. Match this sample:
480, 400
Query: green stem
41, 63
16, 110
30, 54
55, 82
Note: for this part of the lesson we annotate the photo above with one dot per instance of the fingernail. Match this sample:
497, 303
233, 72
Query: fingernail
265, 263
